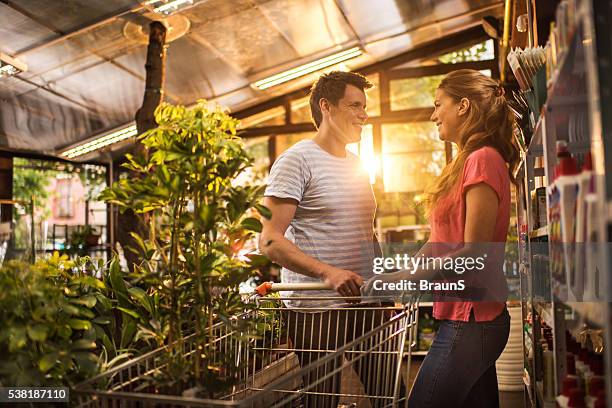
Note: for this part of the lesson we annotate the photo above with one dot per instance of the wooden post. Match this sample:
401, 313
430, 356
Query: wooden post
145, 120
6, 187
155, 68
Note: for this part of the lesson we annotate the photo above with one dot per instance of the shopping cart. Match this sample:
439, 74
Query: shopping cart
312, 356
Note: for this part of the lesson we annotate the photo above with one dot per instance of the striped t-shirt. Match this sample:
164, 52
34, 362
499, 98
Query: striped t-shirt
334, 218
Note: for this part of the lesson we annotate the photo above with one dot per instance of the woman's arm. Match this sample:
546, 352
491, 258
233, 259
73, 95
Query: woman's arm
481, 205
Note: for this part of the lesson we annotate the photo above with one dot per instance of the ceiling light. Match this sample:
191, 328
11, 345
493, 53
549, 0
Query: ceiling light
167, 7
307, 68
10, 66
100, 142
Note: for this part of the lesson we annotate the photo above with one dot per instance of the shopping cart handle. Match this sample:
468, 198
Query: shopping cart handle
267, 287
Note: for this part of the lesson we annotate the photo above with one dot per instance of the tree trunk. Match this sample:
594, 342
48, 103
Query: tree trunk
145, 120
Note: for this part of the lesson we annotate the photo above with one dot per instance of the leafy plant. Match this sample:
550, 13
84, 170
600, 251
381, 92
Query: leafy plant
47, 311
198, 222
62, 321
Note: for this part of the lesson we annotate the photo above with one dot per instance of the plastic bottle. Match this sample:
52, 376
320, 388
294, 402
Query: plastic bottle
582, 367
576, 399
569, 383
548, 361
596, 385
566, 182
595, 372
585, 186
600, 402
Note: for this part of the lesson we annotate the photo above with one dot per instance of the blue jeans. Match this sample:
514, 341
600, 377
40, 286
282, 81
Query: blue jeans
459, 369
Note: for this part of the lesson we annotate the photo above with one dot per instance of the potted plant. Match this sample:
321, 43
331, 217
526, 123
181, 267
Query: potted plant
197, 221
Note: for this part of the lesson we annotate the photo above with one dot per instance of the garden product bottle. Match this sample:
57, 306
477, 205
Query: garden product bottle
569, 383
566, 182
595, 373
596, 385
600, 402
548, 359
585, 186
595, 277
576, 399
582, 367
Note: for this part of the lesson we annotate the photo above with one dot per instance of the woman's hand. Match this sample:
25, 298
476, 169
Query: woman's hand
377, 288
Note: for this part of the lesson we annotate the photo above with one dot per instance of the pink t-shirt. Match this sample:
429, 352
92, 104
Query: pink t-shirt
484, 165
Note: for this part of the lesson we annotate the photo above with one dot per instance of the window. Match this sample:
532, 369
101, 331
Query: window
283, 142
270, 117
412, 156
480, 52
410, 93
64, 200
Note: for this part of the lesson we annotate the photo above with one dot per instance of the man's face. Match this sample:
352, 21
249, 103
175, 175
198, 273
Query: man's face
349, 116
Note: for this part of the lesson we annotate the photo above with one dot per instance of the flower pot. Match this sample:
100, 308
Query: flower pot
92, 239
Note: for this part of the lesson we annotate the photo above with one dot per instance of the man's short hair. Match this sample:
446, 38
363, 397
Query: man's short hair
331, 87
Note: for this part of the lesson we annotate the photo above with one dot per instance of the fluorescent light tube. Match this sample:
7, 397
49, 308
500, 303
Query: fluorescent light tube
307, 68
100, 142
167, 7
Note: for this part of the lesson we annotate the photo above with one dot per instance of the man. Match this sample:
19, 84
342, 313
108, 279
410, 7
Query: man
322, 229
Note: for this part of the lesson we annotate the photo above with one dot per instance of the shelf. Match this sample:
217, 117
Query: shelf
545, 315
591, 313
539, 233
425, 304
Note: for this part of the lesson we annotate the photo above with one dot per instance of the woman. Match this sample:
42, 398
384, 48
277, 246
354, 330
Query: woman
469, 216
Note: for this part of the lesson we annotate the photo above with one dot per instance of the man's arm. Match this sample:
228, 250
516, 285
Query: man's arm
274, 245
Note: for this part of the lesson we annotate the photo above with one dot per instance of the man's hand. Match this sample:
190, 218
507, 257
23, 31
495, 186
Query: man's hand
346, 283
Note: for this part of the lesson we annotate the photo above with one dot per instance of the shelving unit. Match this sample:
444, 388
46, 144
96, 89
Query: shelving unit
575, 111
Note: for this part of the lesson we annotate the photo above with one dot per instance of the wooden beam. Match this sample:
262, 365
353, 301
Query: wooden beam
277, 130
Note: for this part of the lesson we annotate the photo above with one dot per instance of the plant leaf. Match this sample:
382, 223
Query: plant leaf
264, 211
38, 332
48, 361
251, 224
129, 312
79, 324
83, 344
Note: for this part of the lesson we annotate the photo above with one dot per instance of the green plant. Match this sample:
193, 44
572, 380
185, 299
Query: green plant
82, 238
198, 222
48, 335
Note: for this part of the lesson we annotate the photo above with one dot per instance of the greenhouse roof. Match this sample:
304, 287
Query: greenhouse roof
83, 60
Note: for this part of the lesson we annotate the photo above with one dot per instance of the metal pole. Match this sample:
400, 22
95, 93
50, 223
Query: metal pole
32, 231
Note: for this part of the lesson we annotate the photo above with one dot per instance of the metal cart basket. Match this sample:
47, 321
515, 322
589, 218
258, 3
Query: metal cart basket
310, 356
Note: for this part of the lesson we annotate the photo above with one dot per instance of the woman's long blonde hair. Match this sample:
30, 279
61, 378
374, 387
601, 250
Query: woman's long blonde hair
488, 123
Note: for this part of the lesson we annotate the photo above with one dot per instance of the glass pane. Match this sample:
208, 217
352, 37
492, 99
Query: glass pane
410, 93
283, 142
300, 110
270, 117
411, 172
258, 148
479, 52
410, 137
65, 200
373, 96
413, 155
